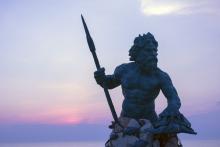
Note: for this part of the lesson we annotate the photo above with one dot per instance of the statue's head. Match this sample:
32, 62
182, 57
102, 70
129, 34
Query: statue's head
144, 51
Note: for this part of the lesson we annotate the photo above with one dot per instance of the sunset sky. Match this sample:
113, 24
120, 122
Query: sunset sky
47, 69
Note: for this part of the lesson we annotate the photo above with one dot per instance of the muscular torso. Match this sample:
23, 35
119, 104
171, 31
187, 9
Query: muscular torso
139, 90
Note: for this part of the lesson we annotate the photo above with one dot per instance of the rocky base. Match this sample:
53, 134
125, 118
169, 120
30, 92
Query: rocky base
136, 133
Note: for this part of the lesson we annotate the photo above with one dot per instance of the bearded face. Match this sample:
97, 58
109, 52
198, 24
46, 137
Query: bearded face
147, 57
144, 52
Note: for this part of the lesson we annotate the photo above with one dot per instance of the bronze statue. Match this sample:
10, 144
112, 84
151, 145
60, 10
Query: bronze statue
141, 81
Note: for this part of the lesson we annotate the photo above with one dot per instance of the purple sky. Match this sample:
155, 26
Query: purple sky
47, 70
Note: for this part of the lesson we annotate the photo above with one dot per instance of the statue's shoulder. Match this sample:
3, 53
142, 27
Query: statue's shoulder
125, 67
161, 74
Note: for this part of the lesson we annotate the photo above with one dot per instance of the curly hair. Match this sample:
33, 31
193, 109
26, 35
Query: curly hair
141, 42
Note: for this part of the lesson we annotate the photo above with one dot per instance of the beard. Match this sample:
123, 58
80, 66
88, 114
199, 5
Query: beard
148, 65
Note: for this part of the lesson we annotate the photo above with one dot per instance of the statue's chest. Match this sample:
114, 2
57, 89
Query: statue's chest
134, 80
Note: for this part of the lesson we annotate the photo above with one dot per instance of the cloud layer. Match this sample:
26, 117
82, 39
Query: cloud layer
178, 7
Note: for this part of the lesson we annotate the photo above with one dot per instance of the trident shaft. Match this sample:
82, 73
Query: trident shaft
92, 49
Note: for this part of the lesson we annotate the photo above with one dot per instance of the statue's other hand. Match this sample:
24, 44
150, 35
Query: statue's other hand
172, 121
99, 76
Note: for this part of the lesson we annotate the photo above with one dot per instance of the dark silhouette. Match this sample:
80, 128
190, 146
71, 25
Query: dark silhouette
141, 81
